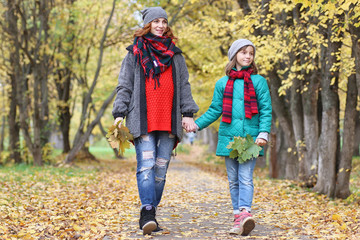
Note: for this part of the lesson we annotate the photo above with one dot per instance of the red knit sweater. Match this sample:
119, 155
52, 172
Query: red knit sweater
159, 102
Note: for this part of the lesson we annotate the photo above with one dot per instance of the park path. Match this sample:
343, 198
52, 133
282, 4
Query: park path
195, 205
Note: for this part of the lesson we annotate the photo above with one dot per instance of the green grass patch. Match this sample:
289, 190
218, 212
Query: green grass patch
108, 153
24, 172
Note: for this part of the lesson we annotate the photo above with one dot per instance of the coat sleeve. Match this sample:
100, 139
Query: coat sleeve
125, 87
215, 109
187, 104
264, 105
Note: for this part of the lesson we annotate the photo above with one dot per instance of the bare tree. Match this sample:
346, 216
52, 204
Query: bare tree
82, 135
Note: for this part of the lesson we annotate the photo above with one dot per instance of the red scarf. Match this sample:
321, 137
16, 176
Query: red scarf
249, 95
154, 53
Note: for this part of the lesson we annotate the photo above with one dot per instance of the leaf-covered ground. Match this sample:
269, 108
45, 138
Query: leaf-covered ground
100, 201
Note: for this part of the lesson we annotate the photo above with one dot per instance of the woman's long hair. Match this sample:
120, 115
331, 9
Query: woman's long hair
147, 28
232, 63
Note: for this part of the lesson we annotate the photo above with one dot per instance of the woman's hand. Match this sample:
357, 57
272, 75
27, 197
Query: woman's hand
189, 124
118, 119
260, 142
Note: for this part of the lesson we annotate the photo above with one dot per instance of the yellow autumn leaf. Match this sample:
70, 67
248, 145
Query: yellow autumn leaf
77, 228
343, 227
336, 217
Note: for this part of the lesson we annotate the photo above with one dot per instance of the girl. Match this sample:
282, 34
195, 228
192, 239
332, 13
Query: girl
242, 97
154, 95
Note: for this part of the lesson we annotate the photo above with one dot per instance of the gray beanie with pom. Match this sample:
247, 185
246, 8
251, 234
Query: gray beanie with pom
152, 13
235, 47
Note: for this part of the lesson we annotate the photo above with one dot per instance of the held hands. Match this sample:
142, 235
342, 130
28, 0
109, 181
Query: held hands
189, 124
261, 142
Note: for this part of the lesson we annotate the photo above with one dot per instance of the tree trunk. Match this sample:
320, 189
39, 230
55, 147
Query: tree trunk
202, 136
342, 184
328, 141
244, 5
354, 29
3, 123
44, 114
355, 37
297, 119
356, 150
213, 140
209, 136
37, 144
82, 140
311, 128
63, 89
273, 163
14, 127
2, 133
287, 144
63, 83
350, 119
310, 86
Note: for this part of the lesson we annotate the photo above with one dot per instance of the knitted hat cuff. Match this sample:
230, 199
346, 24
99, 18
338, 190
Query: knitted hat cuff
152, 13
237, 45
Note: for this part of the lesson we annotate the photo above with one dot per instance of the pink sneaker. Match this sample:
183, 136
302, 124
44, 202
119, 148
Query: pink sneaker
236, 229
247, 223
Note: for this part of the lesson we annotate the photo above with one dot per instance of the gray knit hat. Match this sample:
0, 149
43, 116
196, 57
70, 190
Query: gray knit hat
152, 13
235, 47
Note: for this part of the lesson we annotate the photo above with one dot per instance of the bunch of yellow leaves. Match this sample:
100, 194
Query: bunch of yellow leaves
119, 136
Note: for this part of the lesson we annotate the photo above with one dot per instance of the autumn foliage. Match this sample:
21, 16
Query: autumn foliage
101, 202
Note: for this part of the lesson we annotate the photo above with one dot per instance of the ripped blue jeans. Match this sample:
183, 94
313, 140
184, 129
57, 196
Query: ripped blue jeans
153, 153
241, 185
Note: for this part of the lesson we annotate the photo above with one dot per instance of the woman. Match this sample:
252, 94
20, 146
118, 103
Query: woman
154, 95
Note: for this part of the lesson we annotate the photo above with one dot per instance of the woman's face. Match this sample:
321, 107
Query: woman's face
244, 57
158, 26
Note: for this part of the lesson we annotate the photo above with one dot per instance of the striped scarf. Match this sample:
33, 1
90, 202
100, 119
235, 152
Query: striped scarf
154, 53
249, 95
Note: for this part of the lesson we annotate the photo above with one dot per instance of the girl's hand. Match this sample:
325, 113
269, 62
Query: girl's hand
188, 124
260, 142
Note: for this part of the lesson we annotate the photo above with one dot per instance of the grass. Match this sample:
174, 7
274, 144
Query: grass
107, 153
24, 172
100, 151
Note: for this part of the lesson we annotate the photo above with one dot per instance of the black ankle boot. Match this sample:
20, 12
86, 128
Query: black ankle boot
158, 228
147, 220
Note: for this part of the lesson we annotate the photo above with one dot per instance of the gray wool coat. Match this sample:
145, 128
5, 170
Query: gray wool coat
130, 101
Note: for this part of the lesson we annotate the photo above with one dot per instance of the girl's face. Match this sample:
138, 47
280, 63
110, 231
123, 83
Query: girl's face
158, 26
244, 57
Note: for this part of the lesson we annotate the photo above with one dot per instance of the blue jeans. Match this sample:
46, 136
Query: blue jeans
241, 185
153, 153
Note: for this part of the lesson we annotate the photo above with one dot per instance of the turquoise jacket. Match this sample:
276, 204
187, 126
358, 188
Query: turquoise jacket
239, 126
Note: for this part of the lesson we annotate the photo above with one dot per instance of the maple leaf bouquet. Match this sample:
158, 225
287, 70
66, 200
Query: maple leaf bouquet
119, 136
244, 148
